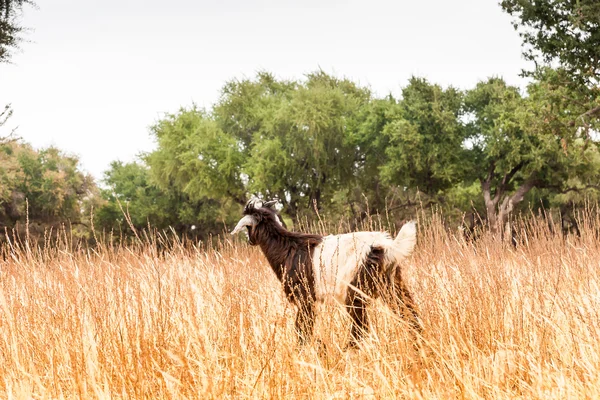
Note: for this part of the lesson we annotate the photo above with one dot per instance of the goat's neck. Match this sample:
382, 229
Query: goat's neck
276, 248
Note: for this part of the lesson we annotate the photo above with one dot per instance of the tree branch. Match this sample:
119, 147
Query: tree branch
559, 190
486, 188
505, 180
511, 201
11, 137
4, 116
589, 113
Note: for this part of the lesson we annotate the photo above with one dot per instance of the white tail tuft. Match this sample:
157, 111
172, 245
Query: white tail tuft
404, 243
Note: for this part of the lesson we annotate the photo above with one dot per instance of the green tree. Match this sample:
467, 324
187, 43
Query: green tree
10, 29
305, 154
369, 144
247, 106
519, 143
197, 157
282, 139
425, 148
564, 33
327, 141
131, 194
45, 186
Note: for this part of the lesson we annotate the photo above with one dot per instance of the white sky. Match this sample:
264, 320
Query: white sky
96, 74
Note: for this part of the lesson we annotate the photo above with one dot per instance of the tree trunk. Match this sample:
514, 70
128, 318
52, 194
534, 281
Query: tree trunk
490, 205
499, 212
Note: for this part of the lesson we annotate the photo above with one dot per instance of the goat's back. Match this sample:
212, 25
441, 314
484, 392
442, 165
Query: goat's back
338, 258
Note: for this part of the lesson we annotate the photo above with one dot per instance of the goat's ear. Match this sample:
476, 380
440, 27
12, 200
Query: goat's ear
270, 204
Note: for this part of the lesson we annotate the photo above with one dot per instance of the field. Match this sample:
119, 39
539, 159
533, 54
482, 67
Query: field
130, 322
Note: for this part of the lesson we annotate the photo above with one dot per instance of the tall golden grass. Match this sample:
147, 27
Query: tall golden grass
130, 322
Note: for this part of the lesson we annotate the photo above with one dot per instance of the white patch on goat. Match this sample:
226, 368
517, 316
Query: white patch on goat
404, 243
278, 220
338, 258
255, 202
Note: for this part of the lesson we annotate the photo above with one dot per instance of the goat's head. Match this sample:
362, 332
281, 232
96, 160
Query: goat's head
257, 214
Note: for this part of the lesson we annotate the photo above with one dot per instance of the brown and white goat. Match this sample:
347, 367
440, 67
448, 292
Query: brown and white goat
352, 268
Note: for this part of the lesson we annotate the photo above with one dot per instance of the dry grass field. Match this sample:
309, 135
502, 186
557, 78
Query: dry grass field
499, 322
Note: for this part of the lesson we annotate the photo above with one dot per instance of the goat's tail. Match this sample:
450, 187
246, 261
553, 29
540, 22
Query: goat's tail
404, 243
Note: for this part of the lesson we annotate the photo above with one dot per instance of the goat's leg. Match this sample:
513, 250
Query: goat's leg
300, 291
305, 320
357, 308
401, 301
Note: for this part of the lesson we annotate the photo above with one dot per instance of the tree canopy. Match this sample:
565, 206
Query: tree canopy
10, 29
563, 34
133, 202
43, 186
566, 31
328, 143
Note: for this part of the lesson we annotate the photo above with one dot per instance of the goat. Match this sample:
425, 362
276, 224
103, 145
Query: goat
352, 268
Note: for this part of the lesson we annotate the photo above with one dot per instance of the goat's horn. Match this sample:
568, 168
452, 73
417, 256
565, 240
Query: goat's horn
270, 204
246, 221
255, 202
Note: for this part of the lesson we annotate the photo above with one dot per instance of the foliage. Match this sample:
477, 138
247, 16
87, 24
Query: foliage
197, 157
566, 31
328, 142
133, 202
370, 151
282, 139
305, 154
518, 143
9, 27
129, 194
563, 34
425, 140
45, 186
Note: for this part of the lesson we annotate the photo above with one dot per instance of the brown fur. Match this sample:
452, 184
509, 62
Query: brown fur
377, 279
290, 256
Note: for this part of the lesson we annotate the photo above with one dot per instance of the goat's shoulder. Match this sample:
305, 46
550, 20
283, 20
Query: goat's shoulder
300, 238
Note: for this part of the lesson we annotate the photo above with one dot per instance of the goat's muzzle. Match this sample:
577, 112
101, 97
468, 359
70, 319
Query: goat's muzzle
246, 221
